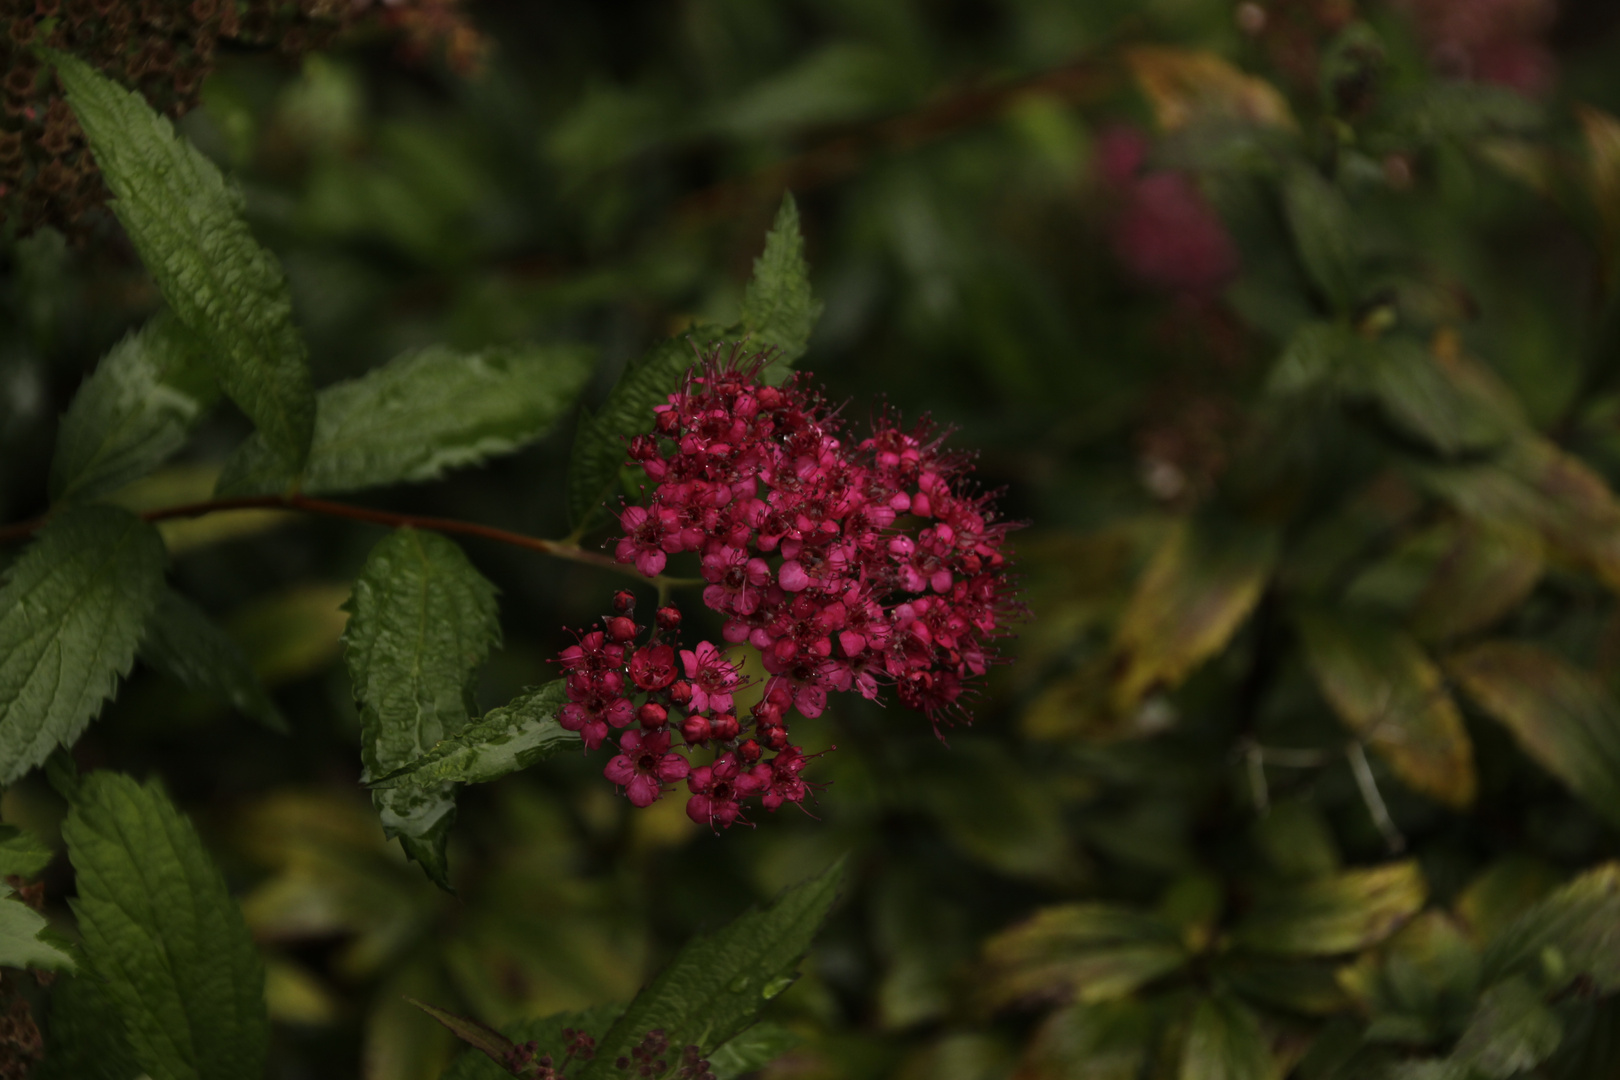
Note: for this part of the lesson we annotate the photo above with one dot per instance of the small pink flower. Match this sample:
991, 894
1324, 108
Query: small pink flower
645, 766
717, 790
713, 678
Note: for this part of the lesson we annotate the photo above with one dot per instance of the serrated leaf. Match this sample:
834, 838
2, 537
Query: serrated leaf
717, 984
133, 412
185, 644
1326, 235
1337, 914
506, 740
420, 415
1387, 691
187, 224
20, 943
422, 621
22, 853
1195, 593
1511, 1032
600, 441
84, 1037
1092, 952
1563, 717
778, 308
1574, 931
751, 1051
163, 934
1224, 1042
71, 616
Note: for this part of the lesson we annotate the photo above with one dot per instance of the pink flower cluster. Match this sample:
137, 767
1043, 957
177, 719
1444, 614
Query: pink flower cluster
848, 565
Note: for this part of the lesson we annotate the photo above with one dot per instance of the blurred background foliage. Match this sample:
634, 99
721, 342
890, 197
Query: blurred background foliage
1291, 330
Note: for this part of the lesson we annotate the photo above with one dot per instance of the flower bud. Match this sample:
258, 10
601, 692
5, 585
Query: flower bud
668, 618
624, 602
680, 692
748, 751
652, 715
695, 729
620, 628
724, 727
776, 738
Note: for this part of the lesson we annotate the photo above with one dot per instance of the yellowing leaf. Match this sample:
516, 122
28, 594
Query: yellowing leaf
1337, 914
1186, 85
1092, 952
1563, 717
1391, 695
1487, 572
1200, 586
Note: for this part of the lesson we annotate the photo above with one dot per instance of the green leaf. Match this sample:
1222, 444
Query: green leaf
71, 615
419, 415
1392, 696
133, 412
481, 1037
84, 1036
1457, 109
164, 935
1110, 1040
1512, 1031
22, 853
1224, 1042
1486, 572
186, 645
1092, 952
1420, 985
1574, 931
600, 441
751, 1051
422, 621
187, 224
1338, 914
1325, 234
20, 943
718, 982
1195, 593
778, 308
1565, 718
506, 740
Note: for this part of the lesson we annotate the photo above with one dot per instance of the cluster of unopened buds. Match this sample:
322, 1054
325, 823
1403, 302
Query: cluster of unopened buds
647, 1060
847, 565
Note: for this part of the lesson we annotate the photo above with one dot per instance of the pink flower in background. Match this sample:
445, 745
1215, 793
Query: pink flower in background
1497, 41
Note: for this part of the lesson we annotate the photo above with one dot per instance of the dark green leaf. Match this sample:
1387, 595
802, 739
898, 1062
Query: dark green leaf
420, 415
717, 984
1564, 717
1338, 914
84, 1037
22, 853
600, 441
164, 935
1512, 1031
506, 740
133, 412
1458, 109
1109, 1040
1574, 931
1092, 952
751, 1051
1326, 235
1224, 1042
186, 645
71, 616
1392, 696
20, 943
778, 308
187, 224
422, 620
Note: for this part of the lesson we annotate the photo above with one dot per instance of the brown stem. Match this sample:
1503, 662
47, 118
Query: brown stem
303, 503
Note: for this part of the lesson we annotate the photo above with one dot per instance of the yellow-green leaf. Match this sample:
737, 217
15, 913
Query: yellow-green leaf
1338, 914
1092, 952
1387, 691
